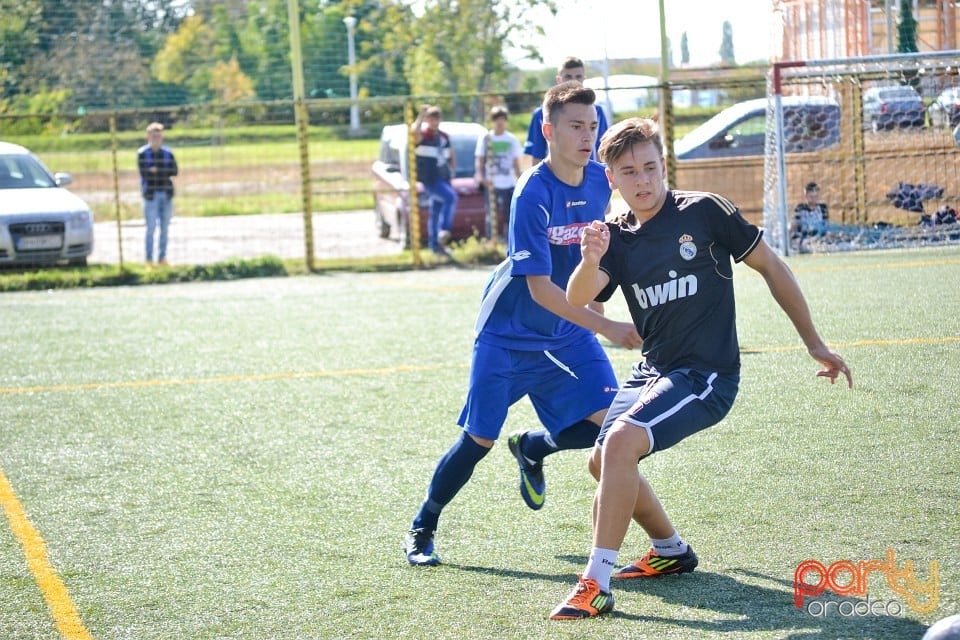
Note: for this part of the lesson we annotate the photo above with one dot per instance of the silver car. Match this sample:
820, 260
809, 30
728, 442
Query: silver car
945, 110
41, 223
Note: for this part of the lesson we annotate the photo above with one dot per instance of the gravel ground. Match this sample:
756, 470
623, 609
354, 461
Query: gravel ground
349, 234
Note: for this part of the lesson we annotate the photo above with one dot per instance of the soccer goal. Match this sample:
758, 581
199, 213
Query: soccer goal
877, 135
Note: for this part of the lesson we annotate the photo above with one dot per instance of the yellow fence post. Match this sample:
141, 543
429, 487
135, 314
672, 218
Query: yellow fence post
302, 119
413, 230
116, 186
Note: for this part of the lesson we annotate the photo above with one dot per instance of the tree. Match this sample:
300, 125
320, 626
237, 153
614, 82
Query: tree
726, 46
456, 46
184, 59
229, 83
906, 29
266, 41
94, 52
19, 37
684, 49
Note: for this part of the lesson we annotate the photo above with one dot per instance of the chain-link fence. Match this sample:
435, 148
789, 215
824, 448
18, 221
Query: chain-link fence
244, 169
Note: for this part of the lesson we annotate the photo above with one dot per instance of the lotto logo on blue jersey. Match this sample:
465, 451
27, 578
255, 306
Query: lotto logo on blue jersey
567, 234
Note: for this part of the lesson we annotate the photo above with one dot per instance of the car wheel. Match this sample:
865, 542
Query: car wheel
403, 230
383, 227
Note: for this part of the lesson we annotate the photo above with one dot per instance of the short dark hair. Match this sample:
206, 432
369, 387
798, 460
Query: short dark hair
812, 186
626, 133
570, 62
499, 111
565, 93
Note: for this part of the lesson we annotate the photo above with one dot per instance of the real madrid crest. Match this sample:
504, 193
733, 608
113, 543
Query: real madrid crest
688, 250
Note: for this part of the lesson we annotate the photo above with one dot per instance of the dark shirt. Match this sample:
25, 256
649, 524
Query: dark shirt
433, 157
676, 272
810, 219
150, 181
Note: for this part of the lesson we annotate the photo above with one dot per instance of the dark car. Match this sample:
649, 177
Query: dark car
40, 221
391, 189
892, 108
725, 154
945, 110
810, 123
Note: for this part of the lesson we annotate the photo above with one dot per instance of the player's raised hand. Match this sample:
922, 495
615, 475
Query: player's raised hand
594, 241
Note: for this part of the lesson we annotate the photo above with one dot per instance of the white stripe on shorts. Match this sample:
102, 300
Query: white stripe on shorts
675, 408
562, 366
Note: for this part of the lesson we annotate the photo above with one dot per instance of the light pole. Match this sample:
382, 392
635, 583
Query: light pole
351, 23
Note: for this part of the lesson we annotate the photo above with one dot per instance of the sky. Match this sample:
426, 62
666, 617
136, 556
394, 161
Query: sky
631, 29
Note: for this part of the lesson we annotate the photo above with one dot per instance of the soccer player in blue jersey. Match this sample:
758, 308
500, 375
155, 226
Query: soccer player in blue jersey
671, 255
529, 340
572, 70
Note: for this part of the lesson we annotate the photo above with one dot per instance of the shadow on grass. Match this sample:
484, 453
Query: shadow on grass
733, 603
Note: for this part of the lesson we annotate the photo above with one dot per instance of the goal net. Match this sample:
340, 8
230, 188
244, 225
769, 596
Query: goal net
878, 135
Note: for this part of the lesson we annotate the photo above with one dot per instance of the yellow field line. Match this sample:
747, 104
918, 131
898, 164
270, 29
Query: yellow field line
236, 378
65, 614
617, 354
864, 267
859, 343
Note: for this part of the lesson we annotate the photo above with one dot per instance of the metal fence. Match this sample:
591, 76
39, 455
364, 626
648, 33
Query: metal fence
252, 183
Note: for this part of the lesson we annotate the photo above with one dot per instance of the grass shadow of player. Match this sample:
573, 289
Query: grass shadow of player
752, 602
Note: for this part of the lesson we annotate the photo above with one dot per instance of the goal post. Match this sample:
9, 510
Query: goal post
862, 129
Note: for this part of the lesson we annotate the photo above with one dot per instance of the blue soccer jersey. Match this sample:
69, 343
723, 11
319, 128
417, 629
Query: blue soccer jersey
676, 273
546, 218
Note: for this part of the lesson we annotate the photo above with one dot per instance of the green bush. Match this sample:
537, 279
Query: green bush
110, 275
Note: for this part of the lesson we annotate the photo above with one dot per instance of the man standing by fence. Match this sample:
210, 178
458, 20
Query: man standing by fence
497, 166
157, 166
436, 165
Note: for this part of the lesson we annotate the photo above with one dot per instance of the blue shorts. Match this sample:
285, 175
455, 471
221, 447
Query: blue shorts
565, 386
672, 406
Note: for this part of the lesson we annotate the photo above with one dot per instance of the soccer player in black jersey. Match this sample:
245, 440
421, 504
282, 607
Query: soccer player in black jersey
671, 255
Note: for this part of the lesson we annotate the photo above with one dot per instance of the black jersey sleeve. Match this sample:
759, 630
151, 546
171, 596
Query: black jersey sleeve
731, 229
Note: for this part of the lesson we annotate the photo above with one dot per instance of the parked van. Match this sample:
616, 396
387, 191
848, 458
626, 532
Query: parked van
725, 154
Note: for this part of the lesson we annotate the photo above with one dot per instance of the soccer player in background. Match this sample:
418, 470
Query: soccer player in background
671, 256
810, 216
529, 340
572, 70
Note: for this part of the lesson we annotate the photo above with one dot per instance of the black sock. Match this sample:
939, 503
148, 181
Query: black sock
537, 445
452, 472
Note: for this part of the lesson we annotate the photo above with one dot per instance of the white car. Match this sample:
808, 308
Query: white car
40, 221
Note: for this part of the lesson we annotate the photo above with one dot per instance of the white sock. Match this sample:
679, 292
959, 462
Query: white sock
672, 546
601, 564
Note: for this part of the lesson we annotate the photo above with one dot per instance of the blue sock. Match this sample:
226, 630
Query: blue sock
537, 445
452, 472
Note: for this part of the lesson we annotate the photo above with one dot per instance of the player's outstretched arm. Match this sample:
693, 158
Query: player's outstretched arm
786, 291
551, 297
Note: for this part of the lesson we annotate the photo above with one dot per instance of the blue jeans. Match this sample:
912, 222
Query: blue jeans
443, 204
159, 210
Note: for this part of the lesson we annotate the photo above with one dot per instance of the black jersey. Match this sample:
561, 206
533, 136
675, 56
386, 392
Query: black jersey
676, 273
